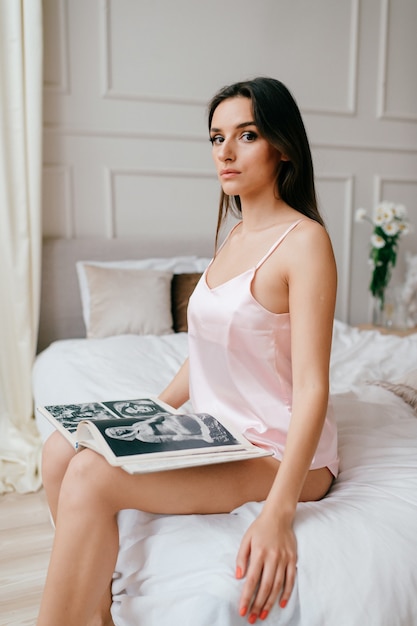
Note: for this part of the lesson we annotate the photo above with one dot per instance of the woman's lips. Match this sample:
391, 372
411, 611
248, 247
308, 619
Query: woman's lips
229, 173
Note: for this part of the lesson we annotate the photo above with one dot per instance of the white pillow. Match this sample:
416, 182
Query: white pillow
128, 301
176, 265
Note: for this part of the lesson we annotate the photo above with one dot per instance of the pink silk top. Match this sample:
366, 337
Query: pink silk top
240, 364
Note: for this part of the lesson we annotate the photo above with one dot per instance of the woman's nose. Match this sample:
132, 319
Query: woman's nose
226, 151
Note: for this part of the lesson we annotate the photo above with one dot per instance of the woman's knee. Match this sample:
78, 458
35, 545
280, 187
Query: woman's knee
86, 480
56, 455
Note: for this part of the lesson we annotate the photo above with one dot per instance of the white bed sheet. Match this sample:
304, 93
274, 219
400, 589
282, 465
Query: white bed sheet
357, 547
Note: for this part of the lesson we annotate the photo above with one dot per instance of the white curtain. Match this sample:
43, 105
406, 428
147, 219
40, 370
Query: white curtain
20, 237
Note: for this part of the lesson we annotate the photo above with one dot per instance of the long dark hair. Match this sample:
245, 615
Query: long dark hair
279, 121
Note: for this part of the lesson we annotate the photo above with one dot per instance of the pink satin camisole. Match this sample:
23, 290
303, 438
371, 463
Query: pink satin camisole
240, 364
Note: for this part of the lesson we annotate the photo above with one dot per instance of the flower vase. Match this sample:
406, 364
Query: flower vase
377, 311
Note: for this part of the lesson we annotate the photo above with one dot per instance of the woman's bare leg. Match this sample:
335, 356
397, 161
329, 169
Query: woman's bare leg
102, 615
57, 454
92, 493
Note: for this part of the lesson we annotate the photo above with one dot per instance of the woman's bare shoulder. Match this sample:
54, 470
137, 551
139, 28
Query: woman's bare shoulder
310, 227
309, 251
310, 234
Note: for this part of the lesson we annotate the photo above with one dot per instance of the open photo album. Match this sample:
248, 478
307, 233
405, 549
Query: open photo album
147, 435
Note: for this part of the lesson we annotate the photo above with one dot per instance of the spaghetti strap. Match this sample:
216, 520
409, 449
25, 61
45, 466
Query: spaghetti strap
216, 252
227, 237
276, 244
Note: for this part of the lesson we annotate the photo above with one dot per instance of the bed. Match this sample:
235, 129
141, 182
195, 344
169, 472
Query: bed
357, 547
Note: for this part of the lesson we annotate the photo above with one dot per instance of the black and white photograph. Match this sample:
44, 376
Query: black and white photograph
139, 426
132, 408
164, 432
69, 415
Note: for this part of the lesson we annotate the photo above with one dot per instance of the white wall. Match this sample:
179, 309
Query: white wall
126, 148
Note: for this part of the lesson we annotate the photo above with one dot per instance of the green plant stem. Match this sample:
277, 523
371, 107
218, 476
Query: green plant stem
383, 260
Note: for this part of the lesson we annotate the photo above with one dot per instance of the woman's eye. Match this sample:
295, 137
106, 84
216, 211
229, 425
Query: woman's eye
249, 136
216, 139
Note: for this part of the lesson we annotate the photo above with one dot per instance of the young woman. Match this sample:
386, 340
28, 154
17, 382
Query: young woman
260, 328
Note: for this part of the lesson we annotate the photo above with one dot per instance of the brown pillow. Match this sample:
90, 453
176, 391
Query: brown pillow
182, 287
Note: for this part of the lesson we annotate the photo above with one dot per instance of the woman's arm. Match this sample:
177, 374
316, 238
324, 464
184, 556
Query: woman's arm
270, 541
177, 392
312, 286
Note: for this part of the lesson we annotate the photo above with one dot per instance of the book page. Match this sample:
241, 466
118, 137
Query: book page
146, 434
66, 417
162, 432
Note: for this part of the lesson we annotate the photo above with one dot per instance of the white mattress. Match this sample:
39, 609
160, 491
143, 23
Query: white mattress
357, 547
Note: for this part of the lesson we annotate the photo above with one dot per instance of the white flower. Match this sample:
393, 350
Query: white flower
390, 222
377, 241
404, 227
378, 218
391, 228
400, 211
384, 213
360, 215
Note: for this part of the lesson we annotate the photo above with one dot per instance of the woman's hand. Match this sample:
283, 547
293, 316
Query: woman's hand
267, 557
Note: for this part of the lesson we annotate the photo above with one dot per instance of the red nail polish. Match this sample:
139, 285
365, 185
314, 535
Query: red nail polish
283, 604
238, 572
243, 611
264, 614
252, 618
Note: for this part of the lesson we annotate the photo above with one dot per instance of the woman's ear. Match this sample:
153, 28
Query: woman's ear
284, 157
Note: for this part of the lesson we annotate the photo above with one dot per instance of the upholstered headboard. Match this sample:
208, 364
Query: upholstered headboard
61, 313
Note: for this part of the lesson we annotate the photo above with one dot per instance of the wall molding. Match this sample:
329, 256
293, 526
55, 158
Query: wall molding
383, 58
352, 74
345, 275
139, 135
111, 175
116, 134
364, 147
382, 112
380, 180
110, 92
66, 171
63, 86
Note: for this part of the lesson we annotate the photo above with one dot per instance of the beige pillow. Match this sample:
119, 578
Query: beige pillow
128, 301
405, 392
409, 379
405, 388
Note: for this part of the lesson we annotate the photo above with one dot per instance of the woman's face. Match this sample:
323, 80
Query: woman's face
246, 162
133, 408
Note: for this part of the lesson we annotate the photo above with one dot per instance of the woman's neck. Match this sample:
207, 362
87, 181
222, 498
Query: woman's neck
260, 215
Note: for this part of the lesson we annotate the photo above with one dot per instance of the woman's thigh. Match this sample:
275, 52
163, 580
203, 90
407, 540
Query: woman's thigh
216, 488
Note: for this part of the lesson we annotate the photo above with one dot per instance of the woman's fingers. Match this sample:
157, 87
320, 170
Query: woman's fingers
243, 556
280, 591
291, 573
269, 566
253, 576
264, 586
271, 581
